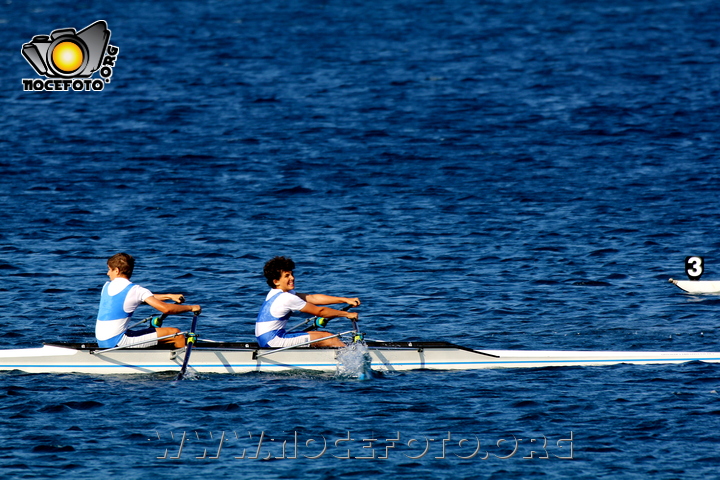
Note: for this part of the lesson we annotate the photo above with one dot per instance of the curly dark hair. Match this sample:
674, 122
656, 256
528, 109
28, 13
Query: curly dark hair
274, 267
124, 262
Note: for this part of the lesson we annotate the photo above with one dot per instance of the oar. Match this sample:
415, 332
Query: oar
189, 346
357, 336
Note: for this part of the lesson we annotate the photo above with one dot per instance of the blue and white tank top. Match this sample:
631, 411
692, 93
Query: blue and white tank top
274, 314
118, 302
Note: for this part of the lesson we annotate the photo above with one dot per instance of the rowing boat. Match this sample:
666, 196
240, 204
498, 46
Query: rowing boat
222, 357
697, 286
694, 269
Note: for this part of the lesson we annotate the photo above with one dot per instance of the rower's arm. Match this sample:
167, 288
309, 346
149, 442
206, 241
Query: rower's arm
327, 312
175, 297
320, 299
171, 308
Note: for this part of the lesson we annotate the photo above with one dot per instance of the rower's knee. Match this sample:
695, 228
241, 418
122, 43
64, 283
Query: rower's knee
177, 341
330, 342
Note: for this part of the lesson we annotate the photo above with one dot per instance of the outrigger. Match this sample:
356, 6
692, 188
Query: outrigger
245, 357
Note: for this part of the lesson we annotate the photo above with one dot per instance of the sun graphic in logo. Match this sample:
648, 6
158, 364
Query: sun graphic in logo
67, 56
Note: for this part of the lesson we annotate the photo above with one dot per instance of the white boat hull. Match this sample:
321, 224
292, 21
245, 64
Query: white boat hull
384, 357
697, 286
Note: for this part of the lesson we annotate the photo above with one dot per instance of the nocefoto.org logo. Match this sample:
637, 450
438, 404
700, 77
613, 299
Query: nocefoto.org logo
68, 59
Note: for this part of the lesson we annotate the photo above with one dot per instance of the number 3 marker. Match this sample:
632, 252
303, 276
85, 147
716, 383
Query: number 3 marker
694, 267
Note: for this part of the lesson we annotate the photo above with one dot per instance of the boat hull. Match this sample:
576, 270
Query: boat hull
384, 357
697, 286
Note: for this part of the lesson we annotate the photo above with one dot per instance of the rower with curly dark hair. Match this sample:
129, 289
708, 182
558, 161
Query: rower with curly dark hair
282, 301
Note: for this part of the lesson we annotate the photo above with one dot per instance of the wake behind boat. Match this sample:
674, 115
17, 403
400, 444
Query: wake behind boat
240, 357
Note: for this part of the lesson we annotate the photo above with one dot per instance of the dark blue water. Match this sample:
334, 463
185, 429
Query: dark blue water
503, 174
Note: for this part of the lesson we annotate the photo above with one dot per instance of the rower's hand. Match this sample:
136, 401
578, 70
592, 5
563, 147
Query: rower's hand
177, 298
353, 302
352, 316
196, 309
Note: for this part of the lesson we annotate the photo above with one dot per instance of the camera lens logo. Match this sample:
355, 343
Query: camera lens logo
68, 57
67, 54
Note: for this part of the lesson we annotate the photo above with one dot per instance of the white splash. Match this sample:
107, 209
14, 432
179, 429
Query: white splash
354, 361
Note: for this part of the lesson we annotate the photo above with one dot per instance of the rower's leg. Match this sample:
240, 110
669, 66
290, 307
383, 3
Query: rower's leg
330, 342
178, 341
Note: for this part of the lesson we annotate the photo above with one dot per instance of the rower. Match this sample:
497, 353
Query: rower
282, 301
119, 300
